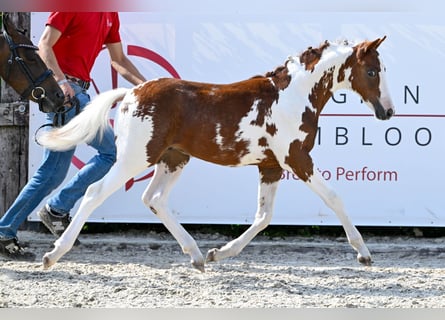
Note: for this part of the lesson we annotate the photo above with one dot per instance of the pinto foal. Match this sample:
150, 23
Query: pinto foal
269, 121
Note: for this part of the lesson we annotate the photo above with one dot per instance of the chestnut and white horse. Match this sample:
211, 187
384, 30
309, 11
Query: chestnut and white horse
269, 121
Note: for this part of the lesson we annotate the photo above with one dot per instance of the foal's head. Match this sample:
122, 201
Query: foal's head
23, 69
367, 78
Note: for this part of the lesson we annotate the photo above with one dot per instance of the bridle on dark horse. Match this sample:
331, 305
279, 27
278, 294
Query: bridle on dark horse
35, 90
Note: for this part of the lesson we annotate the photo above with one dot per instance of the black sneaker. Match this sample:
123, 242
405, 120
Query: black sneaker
55, 223
11, 250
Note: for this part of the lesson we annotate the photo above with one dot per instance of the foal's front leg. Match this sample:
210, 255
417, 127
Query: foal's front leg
269, 178
319, 185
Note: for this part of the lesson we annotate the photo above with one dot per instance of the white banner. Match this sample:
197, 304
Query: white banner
387, 173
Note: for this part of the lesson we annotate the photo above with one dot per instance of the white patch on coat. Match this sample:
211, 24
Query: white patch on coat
128, 125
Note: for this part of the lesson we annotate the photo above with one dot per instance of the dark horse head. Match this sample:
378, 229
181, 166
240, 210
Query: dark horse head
23, 69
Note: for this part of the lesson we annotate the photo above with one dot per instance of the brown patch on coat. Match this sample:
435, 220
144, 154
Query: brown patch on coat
271, 129
300, 160
320, 94
262, 142
264, 110
270, 174
311, 56
178, 107
174, 159
309, 120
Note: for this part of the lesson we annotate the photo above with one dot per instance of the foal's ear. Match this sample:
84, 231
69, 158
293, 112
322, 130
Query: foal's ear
376, 43
365, 47
369, 45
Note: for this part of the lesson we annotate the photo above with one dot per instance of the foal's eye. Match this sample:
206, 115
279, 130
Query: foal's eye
372, 73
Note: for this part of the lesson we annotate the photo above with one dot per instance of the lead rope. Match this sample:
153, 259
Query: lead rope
60, 116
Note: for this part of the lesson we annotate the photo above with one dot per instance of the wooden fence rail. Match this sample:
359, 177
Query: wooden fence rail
14, 133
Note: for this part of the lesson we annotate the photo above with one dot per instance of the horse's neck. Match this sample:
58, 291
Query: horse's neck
315, 87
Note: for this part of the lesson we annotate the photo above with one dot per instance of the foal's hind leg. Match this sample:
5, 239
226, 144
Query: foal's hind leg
269, 178
167, 172
332, 200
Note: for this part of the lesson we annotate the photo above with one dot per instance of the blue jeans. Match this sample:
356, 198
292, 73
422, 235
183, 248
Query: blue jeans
52, 172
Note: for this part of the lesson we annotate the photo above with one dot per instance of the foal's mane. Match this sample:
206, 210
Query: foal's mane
309, 58
280, 77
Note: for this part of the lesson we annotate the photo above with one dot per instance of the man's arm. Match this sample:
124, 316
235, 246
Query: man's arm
48, 39
123, 65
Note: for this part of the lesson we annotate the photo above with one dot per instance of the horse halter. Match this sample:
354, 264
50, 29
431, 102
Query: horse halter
35, 90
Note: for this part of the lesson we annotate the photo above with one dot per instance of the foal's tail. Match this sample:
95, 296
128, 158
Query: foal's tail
83, 127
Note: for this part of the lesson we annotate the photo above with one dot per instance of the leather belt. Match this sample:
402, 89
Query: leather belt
83, 84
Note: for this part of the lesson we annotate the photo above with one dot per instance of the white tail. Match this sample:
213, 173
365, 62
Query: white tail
83, 127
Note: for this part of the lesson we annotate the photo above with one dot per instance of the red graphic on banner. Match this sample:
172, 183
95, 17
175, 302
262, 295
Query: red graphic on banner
149, 55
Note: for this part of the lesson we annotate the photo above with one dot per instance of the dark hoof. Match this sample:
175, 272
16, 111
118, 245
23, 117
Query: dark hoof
211, 255
46, 262
199, 266
365, 260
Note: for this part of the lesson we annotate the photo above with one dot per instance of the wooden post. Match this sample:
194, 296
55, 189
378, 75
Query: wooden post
14, 133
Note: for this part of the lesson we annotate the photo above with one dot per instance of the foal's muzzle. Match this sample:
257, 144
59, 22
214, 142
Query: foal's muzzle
381, 113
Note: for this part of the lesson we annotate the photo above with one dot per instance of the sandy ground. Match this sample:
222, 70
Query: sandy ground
149, 270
